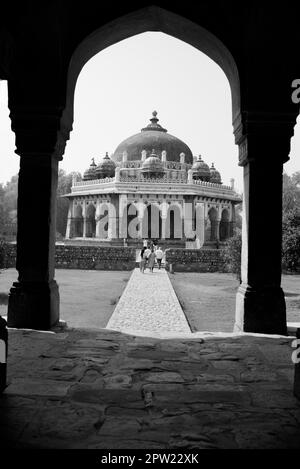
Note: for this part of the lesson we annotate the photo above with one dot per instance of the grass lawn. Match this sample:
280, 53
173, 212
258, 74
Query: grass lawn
87, 297
208, 299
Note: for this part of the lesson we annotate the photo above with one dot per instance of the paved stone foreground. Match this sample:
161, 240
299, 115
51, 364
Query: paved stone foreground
149, 304
103, 389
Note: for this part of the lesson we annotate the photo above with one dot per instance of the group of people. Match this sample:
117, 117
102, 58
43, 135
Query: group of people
150, 254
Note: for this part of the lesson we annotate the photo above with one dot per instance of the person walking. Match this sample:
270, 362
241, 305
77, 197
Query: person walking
159, 255
142, 259
146, 254
151, 260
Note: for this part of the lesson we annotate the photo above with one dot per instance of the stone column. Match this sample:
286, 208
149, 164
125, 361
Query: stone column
97, 217
112, 232
69, 229
113, 227
142, 215
232, 221
188, 229
34, 298
200, 222
84, 220
217, 230
260, 304
164, 206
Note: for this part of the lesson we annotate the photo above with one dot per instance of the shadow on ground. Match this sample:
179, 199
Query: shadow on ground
103, 389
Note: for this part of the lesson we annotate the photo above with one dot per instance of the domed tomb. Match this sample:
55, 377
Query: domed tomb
153, 136
201, 170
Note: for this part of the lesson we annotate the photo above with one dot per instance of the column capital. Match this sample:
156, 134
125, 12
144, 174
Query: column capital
263, 134
39, 132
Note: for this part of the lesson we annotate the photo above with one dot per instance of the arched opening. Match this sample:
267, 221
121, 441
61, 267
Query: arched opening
139, 226
153, 222
102, 221
90, 221
152, 19
133, 222
78, 221
224, 226
174, 222
211, 234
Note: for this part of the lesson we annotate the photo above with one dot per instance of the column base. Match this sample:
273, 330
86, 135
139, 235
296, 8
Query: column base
260, 310
33, 305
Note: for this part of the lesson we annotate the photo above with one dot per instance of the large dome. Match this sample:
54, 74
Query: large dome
153, 136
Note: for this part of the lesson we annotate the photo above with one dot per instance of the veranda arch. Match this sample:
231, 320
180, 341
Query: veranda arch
152, 18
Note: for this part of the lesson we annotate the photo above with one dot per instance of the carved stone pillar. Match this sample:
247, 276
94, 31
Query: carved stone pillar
260, 304
114, 202
69, 229
84, 220
164, 207
34, 298
200, 222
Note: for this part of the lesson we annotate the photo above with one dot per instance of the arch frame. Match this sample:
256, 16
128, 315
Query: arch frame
151, 19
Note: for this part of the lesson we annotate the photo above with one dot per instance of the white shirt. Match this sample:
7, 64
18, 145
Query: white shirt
159, 253
147, 253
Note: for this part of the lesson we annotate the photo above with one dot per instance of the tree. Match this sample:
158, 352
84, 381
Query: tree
291, 240
291, 222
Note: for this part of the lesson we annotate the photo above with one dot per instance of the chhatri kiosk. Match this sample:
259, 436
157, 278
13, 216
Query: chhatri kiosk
151, 187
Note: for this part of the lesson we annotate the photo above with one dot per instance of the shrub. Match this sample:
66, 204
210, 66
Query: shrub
3, 253
232, 254
291, 241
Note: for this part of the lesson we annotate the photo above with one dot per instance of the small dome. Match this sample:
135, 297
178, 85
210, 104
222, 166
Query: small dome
152, 166
215, 176
90, 173
201, 170
106, 167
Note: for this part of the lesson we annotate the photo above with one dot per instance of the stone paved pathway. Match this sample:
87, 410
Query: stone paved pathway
149, 304
107, 390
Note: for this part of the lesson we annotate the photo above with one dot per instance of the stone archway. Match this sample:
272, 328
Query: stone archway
146, 19
152, 18
42, 118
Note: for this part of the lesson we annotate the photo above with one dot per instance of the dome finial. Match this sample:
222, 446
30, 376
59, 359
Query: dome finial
154, 119
154, 124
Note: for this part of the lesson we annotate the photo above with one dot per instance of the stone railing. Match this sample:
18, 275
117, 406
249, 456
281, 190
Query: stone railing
210, 184
92, 182
139, 179
163, 180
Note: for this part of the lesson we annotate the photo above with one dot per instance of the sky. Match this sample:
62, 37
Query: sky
118, 89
